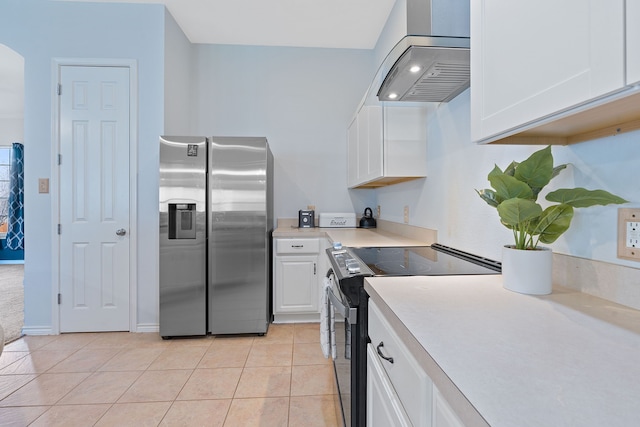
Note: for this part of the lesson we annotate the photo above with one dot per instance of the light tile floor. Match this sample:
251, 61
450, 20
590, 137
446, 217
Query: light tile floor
126, 379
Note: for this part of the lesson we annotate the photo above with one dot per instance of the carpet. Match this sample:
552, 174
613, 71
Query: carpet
11, 300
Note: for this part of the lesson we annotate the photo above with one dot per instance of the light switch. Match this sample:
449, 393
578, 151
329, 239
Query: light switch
43, 185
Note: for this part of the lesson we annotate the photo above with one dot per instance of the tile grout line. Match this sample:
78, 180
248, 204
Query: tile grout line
254, 344
112, 404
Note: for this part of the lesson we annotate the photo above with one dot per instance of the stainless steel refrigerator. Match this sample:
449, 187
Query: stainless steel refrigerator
216, 221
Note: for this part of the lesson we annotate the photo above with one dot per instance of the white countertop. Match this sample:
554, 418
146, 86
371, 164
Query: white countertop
353, 237
566, 359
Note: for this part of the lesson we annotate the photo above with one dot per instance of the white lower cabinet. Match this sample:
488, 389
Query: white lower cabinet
412, 386
399, 391
384, 408
443, 414
296, 274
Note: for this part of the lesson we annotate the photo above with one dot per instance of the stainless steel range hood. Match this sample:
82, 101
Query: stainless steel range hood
430, 64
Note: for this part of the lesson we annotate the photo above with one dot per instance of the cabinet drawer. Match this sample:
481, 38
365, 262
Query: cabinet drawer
297, 246
384, 408
411, 383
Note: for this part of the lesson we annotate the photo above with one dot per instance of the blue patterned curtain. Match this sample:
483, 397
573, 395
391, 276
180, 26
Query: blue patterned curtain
15, 233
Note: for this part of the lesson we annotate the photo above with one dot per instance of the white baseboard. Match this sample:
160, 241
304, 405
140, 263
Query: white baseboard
297, 318
46, 330
147, 328
37, 330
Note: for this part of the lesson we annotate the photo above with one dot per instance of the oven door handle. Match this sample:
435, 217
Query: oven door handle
349, 313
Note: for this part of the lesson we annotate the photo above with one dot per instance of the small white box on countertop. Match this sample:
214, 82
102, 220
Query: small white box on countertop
337, 220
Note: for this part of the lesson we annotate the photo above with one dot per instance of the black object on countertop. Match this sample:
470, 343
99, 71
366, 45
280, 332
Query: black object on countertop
367, 220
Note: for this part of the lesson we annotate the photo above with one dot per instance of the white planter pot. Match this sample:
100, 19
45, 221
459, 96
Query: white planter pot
527, 271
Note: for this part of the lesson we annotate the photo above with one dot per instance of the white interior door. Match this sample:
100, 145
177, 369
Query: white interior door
94, 199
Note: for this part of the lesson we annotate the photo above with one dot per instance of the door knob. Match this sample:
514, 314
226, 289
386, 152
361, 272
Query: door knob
121, 232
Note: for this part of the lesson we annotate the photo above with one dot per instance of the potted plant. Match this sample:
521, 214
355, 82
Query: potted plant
514, 194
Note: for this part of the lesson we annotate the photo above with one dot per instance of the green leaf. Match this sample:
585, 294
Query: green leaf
515, 212
507, 187
554, 221
557, 170
511, 169
537, 170
583, 198
555, 173
516, 190
495, 171
489, 196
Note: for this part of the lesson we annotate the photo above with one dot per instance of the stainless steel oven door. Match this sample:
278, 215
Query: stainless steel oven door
345, 322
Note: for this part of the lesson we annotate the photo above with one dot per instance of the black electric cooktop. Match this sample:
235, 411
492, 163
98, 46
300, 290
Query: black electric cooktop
436, 260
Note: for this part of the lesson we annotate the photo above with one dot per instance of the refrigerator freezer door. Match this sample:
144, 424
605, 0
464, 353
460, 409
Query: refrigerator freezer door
182, 196
239, 235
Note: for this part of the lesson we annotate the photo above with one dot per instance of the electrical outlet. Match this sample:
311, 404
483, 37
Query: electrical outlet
629, 233
378, 212
406, 214
633, 235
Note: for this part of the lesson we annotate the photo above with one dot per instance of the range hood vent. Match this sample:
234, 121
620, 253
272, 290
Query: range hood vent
429, 67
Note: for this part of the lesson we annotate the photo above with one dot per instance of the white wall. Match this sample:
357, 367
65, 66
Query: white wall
11, 130
11, 96
178, 81
302, 100
446, 200
43, 30
394, 29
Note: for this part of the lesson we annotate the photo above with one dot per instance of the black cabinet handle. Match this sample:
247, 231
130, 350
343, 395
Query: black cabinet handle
388, 359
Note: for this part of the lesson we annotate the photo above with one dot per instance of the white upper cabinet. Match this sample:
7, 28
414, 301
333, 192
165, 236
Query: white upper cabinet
387, 145
534, 63
633, 41
369, 143
352, 153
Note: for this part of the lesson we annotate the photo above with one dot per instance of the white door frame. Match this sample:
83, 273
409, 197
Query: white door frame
54, 186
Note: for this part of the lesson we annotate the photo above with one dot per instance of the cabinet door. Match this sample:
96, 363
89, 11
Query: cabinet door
383, 405
443, 415
369, 143
375, 148
363, 145
323, 262
410, 382
533, 59
391, 145
405, 141
352, 153
633, 41
296, 286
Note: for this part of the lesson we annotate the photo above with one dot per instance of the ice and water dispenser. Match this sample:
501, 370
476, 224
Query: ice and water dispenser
182, 220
